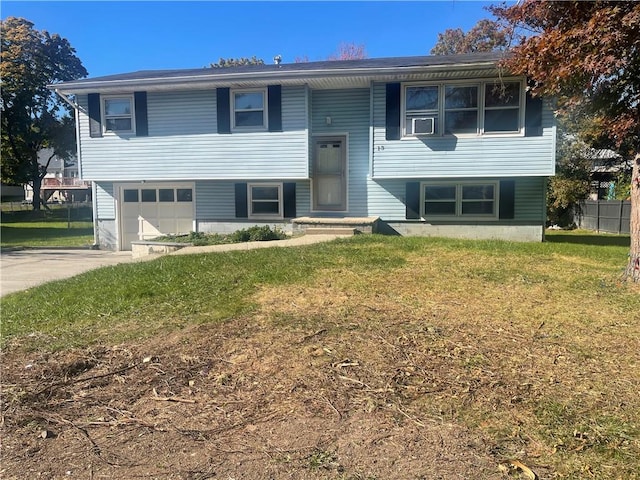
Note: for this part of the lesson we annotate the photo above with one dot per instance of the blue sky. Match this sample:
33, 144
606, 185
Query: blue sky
115, 37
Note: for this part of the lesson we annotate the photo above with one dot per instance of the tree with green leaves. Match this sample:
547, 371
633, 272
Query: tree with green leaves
572, 181
34, 117
587, 56
237, 62
484, 36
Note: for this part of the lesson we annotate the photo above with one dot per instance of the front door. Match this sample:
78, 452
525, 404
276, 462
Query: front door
330, 174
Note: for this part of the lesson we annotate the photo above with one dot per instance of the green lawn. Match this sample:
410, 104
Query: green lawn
535, 346
57, 227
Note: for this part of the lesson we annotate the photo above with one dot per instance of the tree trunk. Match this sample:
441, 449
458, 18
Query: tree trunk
37, 184
633, 267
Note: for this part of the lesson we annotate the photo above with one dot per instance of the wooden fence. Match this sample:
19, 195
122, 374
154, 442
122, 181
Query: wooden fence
611, 216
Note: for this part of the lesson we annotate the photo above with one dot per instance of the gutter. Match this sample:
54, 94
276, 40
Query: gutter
92, 86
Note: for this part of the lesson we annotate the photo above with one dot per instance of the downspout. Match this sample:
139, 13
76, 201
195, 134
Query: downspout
76, 114
76, 110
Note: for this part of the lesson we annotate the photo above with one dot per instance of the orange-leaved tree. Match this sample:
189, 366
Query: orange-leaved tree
587, 56
348, 51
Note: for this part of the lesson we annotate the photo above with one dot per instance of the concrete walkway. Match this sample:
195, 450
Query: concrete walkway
21, 269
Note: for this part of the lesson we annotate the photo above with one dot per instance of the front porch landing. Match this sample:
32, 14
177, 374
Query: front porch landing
335, 225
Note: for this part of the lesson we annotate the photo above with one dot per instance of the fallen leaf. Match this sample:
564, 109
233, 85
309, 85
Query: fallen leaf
526, 470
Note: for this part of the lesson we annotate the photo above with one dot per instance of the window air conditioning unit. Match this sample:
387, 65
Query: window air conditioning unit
423, 126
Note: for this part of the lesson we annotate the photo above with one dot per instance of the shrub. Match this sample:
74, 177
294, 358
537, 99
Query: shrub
258, 234
251, 234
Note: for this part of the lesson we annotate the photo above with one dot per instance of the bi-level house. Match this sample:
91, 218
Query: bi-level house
439, 145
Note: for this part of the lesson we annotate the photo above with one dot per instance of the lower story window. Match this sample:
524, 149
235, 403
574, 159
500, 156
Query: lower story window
441, 200
265, 200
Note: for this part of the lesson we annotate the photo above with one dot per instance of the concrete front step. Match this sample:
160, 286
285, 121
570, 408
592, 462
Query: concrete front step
335, 226
330, 231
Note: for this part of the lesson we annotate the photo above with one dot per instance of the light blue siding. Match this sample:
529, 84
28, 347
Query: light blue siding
183, 143
460, 157
215, 200
387, 200
165, 108
350, 114
105, 201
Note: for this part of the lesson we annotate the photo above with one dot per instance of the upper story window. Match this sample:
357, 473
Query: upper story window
118, 114
460, 109
488, 107
422, 110
502, 107
249, 109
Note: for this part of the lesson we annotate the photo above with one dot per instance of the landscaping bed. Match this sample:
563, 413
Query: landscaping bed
250, 234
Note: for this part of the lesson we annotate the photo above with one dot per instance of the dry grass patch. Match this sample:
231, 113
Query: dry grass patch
371, 358
540, 354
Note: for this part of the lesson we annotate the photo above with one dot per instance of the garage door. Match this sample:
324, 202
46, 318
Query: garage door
151, 210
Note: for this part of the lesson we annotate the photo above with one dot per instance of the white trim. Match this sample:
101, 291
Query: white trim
522, 107
265, 216
372, 132
440, 113
213, 78
459, 201
265, 113
104, 117
342, 137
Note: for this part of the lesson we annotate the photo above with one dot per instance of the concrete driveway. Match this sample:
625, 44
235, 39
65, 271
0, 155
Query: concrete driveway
25, 268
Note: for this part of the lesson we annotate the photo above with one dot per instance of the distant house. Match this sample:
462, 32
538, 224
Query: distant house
62, 181
607, 167
439, 145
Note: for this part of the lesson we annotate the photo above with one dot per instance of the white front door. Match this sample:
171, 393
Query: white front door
330, 174
151, 210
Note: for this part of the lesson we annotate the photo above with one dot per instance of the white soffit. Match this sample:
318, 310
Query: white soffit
319, 82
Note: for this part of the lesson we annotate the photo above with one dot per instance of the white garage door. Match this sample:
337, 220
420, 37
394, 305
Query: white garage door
150, 210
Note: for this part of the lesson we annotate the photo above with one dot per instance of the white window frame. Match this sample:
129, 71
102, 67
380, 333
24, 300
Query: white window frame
105, 117
441, 111
250, 200
520, 107
477, 109
436, 113
458, 200
265, 115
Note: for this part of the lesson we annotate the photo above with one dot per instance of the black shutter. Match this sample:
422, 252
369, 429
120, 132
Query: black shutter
289, 199
533, 116
507, 199
393, 112
95, 118
142, 125
412, 200
223, 110
242, 210
274, 103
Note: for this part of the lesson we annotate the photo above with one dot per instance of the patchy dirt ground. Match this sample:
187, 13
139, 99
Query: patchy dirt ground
348, 379
241, 400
